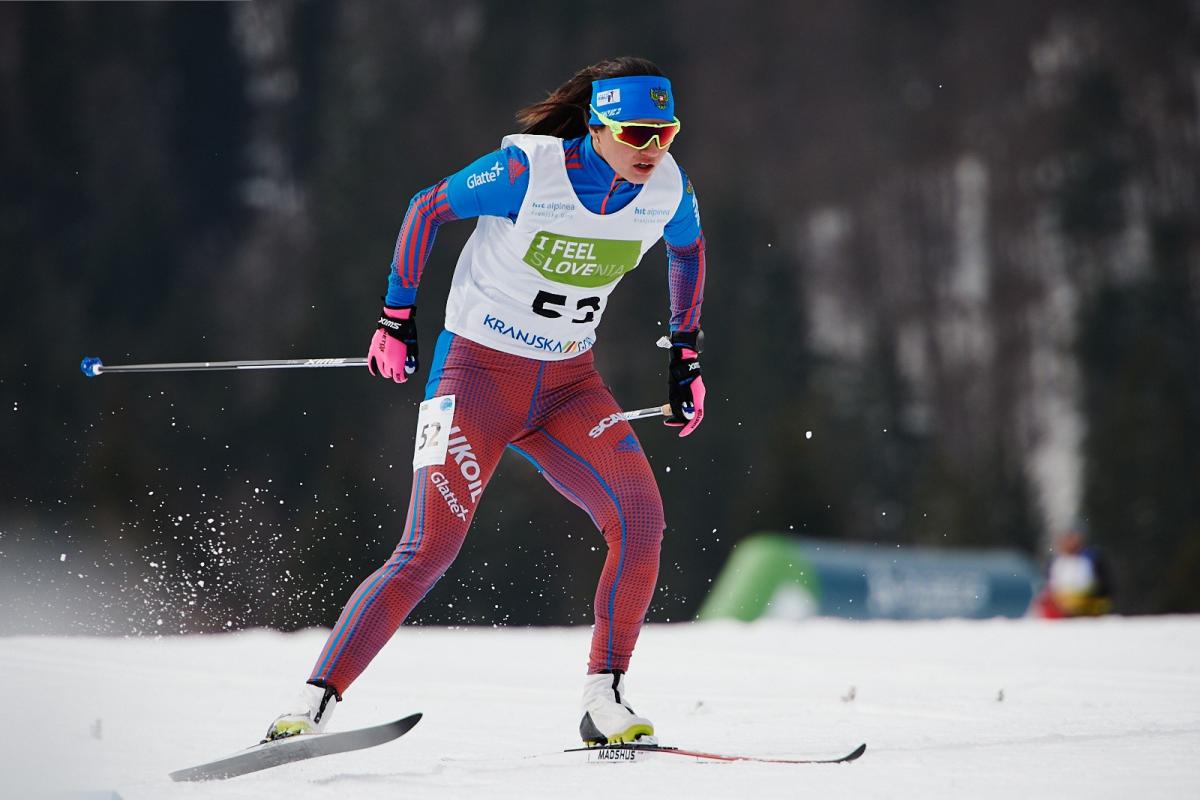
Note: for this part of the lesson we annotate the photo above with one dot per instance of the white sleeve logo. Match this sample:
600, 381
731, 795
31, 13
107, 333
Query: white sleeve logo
434, 421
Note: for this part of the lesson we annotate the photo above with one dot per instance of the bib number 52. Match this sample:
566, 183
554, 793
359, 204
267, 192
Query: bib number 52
543, 305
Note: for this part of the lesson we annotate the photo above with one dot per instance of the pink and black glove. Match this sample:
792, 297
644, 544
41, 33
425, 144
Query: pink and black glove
684, 383
394, 346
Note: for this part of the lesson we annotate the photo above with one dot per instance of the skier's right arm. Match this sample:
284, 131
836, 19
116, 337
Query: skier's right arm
493, 185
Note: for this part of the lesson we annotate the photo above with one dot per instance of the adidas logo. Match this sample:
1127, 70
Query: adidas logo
515, 170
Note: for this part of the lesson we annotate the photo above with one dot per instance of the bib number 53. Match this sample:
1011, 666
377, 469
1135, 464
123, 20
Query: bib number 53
543, 305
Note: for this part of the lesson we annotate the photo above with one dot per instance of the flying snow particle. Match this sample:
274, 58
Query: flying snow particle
808, 434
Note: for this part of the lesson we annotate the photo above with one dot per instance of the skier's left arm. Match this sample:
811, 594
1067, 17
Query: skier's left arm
685, 274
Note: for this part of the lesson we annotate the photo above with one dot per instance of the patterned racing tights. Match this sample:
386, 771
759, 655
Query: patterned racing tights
559, 416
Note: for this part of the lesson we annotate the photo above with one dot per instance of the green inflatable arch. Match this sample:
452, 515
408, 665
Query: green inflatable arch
771, 574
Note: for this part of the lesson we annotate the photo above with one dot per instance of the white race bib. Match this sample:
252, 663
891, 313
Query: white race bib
537, 287
434, 421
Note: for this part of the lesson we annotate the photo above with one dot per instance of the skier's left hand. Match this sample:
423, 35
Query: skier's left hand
684, 383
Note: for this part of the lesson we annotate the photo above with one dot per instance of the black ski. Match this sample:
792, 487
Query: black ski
630, 752
295, 748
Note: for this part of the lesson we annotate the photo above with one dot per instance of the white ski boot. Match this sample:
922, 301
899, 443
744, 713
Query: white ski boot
309, 713
607, 716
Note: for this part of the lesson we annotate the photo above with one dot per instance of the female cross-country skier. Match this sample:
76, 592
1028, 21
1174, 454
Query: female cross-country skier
564, 209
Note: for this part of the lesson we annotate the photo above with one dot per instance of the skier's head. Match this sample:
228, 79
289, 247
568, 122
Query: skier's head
625, 104
1073, 538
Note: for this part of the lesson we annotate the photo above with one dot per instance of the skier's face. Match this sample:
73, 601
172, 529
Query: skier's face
635, 166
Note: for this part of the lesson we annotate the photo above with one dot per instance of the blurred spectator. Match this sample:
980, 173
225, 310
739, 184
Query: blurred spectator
1077, 583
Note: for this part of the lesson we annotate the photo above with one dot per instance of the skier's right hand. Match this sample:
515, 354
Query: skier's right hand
393, 351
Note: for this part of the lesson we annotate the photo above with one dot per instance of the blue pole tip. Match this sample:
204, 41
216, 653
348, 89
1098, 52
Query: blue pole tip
90, 366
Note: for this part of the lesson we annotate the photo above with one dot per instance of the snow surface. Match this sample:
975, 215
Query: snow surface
1091, 709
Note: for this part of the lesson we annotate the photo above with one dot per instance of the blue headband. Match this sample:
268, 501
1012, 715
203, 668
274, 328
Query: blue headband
633, 97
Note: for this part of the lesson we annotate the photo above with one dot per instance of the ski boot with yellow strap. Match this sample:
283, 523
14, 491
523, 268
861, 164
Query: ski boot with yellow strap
608, 718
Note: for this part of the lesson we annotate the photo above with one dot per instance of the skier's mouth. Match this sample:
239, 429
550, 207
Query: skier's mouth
644, 167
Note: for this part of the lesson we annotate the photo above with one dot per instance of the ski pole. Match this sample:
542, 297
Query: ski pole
92, 366
657, 411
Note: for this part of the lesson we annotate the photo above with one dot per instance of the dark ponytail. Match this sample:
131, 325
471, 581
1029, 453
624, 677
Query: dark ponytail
564, 112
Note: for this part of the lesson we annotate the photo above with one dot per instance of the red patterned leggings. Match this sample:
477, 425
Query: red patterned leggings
559, 416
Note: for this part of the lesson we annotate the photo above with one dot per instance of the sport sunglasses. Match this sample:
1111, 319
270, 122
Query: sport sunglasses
638, 135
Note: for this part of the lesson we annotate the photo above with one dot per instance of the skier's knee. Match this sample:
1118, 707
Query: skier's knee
425, 555
637, 542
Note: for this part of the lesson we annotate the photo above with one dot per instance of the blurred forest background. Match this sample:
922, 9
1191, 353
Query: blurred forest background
958, 243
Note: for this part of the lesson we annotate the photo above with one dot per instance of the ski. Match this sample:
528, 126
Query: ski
631, 751
295, 748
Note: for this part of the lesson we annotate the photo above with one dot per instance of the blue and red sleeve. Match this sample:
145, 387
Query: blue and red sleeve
492, 185
685, 261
